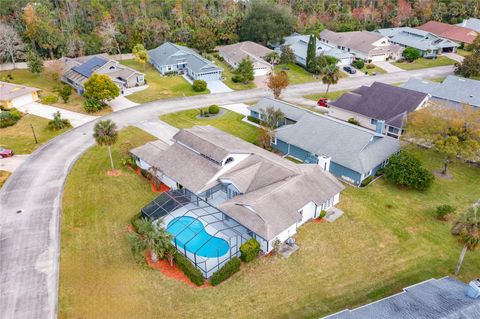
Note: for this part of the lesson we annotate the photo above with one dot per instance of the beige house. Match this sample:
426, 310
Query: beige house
14, 95
235, 53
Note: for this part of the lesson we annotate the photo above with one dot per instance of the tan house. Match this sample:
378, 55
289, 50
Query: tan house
14, 95
235, 53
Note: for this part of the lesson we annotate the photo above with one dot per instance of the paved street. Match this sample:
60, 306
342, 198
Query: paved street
30, 201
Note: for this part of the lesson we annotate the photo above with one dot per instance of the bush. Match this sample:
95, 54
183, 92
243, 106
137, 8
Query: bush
322, 214
134, 219
370, 66
189, 269
249, 250
405, 170
411, 54
9, 117
49, 99
93, 105
353, 121
199, 85
380, 172
64, 91
213, 109
230, 268
58, 123
358, 64
129, 161
236, 79
367, 180
444, 210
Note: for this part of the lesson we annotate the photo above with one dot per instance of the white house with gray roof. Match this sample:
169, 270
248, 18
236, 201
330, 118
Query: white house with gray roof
171, 58
350, 152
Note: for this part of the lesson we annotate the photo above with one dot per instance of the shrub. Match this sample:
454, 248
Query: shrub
9, 117
367, 180
58, 123
322, 214
380, 172
236, 78
230, 268
199, 85
49, 99
189, 269
64, 91
444, 210
144, 173
130, 161
253, 119
93, 105
134, 219
353, 121
213, 109
370, 66
411, 54
359, 64
249, 250
405, 170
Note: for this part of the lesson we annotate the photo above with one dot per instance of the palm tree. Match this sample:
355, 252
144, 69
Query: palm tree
152, 237
105, 133
331, 75
468, 227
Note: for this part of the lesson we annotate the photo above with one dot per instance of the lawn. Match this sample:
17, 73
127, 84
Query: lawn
298, 75
376, 69
229, 122
3, 177
463, 52
19, 137
332, 95
387, 239
424, 63
227, 74
159, 87
46, 83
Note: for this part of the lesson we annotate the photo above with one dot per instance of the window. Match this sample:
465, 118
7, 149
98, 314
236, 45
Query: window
112, 68
228, 160
274, 140
373, 121
394, 130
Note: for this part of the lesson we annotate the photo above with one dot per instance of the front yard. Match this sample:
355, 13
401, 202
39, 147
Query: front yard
332, 95
372, 69
297, 74
387, 239
227, 74
423, 63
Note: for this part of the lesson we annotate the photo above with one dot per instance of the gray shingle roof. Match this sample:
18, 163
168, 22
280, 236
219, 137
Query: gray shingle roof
432, 299
293, 113
247, 49
382, 102
299, 44
9, 91
471, 23
415, 38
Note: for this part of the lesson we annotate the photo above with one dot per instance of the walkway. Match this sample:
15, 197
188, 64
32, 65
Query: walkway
47, 111
387, 66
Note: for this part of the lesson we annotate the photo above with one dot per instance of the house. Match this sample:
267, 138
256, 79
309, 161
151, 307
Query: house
380, 107
427, 43
450, 32
445, 298
364, 45
454, 91
234, 191
471, 23
348, 151
15, 95
78, 70
299, 45
235, 53
171, 58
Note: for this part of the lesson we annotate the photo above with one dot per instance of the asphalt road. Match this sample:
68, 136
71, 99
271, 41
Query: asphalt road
30, 201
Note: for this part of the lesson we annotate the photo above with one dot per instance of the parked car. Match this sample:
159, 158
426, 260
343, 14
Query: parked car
349, 69
5, 152
323, 102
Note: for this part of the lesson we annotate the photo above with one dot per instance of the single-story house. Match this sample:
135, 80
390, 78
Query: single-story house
449, 31
234, 190
299, 45
15, 95
445, 298
364, 45
173, 58
427, 43
471, 23
78, 70
380, 107
454, 91
348, 151
235, 53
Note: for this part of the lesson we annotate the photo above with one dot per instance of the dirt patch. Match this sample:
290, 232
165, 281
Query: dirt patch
441, 175
114, 172
319, 220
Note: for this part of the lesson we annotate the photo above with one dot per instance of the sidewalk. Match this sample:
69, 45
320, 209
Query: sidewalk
47, 111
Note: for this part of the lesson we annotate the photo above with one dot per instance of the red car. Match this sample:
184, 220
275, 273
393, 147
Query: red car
4, 152
323, 102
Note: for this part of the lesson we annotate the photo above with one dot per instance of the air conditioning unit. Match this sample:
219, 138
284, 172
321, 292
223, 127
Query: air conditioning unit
473, 289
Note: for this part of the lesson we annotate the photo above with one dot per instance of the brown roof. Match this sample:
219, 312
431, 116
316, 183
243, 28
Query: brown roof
9, 91
448, 31
247, 49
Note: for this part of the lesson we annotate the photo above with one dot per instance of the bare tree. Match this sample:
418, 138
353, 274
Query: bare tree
108, 32
11, 45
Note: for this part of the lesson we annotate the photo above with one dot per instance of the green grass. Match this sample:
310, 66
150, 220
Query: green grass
19, 137
297, 74
160, 87
424, 63
4, 175
227, 74
387, 239
229, 122
376, 69
332, 95
463, 52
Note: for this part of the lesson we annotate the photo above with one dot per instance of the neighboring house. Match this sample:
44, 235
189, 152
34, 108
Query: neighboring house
445, 298
380, 107
471, 23
299, 45
78, 70
14, 95
364, 45
454, 91
427, 43
234, 191
171, 58
450, 32
349, 152
235, 53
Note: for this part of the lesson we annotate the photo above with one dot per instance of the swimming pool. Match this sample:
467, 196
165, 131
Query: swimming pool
190, 231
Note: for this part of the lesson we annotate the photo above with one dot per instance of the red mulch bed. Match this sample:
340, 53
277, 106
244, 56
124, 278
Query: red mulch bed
160, 189
318, 220
114, 172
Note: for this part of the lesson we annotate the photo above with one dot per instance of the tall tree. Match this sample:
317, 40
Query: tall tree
288, 55
140, 54
331, 75
244, 71
109, 33
468, 227
11, 45
470, 66
105, 134
203, 40
99, 87
152, 237
34, 62
311, 52
277, 82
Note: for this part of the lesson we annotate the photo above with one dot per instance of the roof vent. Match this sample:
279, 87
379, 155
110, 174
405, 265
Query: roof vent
473, 289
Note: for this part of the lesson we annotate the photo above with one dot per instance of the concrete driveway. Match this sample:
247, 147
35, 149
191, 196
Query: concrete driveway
454, 56
218, 87
240, 108
47, 111
10, 164
387, 66
121, 103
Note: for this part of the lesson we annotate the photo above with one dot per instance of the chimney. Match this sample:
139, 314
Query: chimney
324, 162
380, 126
473, 289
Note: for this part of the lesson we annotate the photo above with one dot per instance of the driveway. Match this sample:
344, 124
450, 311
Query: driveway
260, 81
387, 66
454, 56
121, 103
10, 164
47, 111
218, 87
240, 108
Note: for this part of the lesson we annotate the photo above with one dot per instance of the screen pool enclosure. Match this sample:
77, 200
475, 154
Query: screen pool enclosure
201, 232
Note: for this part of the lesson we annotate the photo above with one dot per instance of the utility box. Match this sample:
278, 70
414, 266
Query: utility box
473, 289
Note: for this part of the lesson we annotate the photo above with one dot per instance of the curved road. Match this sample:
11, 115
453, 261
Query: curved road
30, 201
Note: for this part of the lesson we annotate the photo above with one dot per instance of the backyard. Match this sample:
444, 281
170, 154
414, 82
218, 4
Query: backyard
227, 74
423, 63
387, 239
159, 86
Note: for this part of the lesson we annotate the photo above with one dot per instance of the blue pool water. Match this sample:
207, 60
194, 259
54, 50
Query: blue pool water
190, 231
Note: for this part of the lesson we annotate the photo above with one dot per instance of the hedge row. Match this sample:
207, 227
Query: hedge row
189, 269
231, 267
253, 119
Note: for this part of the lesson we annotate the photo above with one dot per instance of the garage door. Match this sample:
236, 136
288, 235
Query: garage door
261, 71
378, 58
22, 100
208, 76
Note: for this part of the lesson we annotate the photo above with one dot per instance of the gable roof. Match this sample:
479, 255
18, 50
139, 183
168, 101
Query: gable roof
453, 88
381, 101
247, 49
9, 91
299, 44
443, 298
471, 23
416, 38
448, 31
